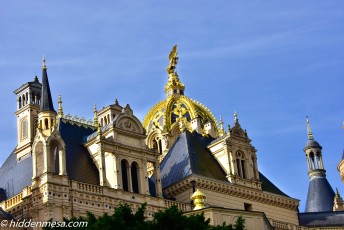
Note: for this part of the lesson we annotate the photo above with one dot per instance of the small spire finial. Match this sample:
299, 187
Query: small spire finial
235, 117
309, 130
222, 130
96, 123
43, 63
116, 102
60, 111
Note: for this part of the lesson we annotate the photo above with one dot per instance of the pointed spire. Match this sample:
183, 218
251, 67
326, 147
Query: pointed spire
46, 100
337, 194
309, 130
222, 130
96, 123
60, 111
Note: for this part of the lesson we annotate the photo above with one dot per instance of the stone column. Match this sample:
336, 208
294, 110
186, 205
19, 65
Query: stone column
118, 173
157, 176
46, 156
130, 183
62, 162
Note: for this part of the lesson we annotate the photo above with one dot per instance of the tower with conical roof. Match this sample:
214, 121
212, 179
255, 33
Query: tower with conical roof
320, 193
47, 113
48, 148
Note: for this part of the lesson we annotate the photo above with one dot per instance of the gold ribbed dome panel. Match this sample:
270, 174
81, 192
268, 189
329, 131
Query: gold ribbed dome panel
164, 115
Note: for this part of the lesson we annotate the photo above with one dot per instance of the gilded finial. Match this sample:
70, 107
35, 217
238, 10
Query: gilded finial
309, 130
198, 199
60, 111
43, 63
96, 123
173, 59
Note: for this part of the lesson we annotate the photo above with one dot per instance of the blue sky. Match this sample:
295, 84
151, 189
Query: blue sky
274, 62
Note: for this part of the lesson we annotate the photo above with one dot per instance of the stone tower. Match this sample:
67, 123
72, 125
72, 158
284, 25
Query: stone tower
28, 103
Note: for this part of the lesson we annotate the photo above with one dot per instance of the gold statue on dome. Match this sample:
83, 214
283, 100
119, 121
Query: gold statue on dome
173, 59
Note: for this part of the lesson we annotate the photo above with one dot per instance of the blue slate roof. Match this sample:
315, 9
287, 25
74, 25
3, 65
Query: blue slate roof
80, 166
312, 144
321, 219
5, 215
189, 155
14, 176
268, 186
320, 195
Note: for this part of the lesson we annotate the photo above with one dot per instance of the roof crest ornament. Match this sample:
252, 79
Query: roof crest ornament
60, 111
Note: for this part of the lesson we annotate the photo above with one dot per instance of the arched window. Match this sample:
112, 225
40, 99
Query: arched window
33, 98
46, 123
312, 159
105, 120
157, 144
124, 168
241, 164
20, 102
135, 177
254, 167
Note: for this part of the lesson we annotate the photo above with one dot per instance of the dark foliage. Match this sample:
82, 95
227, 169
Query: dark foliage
172, 218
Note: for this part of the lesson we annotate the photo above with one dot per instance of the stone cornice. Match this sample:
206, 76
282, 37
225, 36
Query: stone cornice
232, 190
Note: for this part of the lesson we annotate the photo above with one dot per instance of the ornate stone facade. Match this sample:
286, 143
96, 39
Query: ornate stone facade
70, 166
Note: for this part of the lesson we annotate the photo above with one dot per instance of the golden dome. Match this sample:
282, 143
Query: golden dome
165, 114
